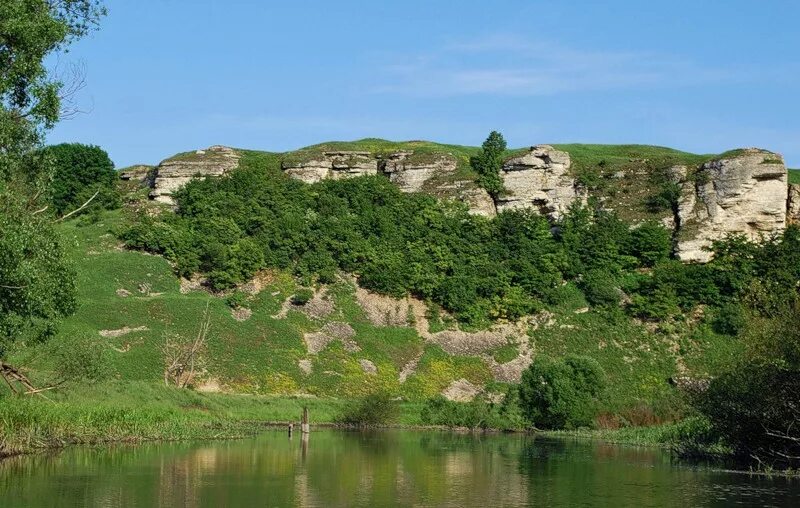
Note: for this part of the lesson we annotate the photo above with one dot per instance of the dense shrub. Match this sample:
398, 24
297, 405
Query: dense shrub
371, 411
754, 407
561, 393
78, 172
477, 414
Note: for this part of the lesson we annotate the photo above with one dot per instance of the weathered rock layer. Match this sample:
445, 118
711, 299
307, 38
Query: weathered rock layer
174, 173
539, 179
746, 193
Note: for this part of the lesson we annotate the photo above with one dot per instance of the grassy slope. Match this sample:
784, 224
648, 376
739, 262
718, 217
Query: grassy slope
794, 176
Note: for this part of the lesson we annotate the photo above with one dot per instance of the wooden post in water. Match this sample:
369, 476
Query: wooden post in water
304, 427
291, 428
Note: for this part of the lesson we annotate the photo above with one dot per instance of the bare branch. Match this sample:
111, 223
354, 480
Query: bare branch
73, 212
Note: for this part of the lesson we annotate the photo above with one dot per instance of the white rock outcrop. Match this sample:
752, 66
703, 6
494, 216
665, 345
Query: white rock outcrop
410, 172
539, 179
331, 165
745, 193
793, 204
174, 173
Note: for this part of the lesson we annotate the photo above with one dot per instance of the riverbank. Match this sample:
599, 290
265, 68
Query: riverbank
138, 411
132, 412
125, 411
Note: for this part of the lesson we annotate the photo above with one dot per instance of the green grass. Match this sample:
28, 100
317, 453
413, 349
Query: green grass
135, 411
794, 176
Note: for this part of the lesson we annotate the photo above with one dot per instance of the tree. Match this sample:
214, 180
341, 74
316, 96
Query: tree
754, 406
36, 285
558, 394
489, 163
80, 171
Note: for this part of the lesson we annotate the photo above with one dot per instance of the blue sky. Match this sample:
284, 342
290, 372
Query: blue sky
165, 76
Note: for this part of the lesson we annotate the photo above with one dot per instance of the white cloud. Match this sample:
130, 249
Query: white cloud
510, 65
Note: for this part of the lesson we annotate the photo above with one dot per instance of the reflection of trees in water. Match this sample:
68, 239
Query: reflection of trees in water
375, 469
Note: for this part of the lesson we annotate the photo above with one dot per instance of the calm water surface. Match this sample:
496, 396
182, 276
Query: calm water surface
390, 468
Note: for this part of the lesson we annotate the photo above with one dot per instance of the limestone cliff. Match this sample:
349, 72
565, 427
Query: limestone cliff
745, 193
539, 179
312, 167
174, 173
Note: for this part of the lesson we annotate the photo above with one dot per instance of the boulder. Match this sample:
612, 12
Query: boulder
174, 173
744, 193
538, 179
315, 167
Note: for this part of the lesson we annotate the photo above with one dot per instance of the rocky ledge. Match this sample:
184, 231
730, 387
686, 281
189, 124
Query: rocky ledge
174, 173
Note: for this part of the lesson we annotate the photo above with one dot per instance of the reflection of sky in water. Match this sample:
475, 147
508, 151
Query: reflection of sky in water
400, 468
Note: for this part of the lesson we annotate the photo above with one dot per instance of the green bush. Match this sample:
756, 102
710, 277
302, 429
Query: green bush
81, 358
600, 288
561, 394
302, 296
80, 171
378, 409
730, 319
476, 414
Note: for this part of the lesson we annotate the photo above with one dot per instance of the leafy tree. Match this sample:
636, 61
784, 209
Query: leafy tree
489, 163
558, 394
79, 172
36, 286
754, 406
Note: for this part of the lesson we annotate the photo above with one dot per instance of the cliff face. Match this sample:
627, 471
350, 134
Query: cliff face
745, 191
331, 165
539, 179
174, 173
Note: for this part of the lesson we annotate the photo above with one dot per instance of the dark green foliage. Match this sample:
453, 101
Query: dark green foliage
600, 288
78, 172
378, 409
477, 414
36, 283
730, 319
489, 163
237, 300
753, 407
83, 358
561, 394
302, 296
651, 243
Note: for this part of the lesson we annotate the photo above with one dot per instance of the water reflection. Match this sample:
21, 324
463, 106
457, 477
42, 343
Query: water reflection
332, 468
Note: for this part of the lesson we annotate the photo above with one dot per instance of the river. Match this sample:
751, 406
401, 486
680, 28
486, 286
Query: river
383, 468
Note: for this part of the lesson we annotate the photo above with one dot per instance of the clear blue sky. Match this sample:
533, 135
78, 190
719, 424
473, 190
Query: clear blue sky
165, 76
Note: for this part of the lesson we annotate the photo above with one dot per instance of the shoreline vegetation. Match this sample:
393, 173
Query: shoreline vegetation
113, 412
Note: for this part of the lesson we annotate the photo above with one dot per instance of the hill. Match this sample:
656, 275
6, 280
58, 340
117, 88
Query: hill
347, 341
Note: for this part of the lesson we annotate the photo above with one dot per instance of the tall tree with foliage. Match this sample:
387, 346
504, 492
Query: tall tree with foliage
489, 163
81, 173
36, 284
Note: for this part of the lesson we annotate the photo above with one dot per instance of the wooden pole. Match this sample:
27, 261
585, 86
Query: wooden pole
304, 427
